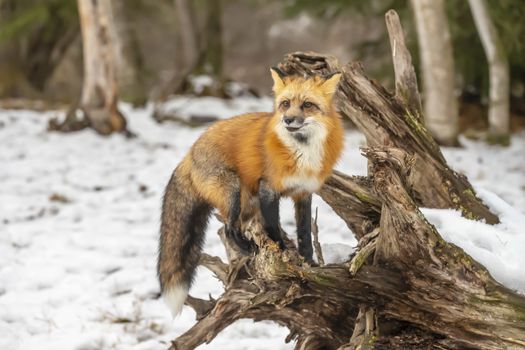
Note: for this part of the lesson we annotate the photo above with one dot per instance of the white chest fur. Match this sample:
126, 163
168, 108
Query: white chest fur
302, 183
309, 157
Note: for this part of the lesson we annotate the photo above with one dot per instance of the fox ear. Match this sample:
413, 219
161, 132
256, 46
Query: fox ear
277, 76
330, 84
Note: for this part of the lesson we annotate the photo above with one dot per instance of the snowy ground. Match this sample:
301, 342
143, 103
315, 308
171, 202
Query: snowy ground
79, 217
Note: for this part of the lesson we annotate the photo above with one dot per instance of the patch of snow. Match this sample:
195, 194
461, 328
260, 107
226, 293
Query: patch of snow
187, 106
336, 252
497, 247
80, 273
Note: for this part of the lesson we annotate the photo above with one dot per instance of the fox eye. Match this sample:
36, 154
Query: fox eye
285, 104
308, 104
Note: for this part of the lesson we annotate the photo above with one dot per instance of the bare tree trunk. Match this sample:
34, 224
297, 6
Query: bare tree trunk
99, 93
437, 67
498, 71
98, 101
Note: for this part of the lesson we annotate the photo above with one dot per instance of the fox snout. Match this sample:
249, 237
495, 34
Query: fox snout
293, 123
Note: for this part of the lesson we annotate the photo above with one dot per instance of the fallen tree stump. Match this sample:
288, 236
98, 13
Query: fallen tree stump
412, 284
404, 287
396, 121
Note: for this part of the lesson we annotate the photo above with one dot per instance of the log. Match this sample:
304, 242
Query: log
395, 120
405, 74
353, 200
404, 288
434, 289
385, 120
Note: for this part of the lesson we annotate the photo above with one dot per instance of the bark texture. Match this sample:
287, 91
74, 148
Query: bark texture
437, 68
404, 288
498, 72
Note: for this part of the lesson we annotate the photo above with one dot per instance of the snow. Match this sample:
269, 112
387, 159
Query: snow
79, 218
499, 247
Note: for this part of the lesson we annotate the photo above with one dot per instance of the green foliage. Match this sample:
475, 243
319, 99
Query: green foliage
28, 16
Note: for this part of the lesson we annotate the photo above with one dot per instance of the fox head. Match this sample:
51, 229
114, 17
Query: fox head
303, 106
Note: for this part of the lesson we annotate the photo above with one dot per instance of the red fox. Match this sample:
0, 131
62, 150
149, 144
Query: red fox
245, 162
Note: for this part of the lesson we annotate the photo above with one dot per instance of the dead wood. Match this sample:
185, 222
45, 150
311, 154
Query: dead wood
412, 277
394, 120
352, 198
405, 287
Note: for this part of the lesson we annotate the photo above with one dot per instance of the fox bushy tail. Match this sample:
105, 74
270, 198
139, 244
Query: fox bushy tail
183, 224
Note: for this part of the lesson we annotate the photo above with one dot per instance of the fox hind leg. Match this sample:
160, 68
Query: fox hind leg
269, 204
221, 187
233, 223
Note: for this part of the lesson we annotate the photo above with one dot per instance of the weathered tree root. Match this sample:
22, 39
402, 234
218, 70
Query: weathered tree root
412, 278
105, 123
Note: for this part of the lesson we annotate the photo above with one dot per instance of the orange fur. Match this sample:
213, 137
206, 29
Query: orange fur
292, 150
251, 147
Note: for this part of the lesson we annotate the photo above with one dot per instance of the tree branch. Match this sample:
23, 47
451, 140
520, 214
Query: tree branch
405, 75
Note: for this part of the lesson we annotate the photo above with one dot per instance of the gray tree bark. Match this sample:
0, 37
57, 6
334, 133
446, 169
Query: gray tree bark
498, 72
437, 68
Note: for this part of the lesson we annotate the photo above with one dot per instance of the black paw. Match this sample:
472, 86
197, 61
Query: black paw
308, 254
247, 246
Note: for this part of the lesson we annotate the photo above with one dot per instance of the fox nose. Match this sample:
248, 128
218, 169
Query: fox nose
293, 120
288, 120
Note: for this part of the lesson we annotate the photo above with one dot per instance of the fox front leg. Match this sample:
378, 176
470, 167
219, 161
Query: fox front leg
269, 204
303, 219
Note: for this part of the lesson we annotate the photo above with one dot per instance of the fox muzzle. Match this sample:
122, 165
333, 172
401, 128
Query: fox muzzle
293, 123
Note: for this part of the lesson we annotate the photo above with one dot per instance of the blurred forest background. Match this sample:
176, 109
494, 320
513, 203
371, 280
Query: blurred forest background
158, 46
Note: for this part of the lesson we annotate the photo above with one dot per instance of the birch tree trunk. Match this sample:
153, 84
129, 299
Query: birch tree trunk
498, 72
98, 101
437, 67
